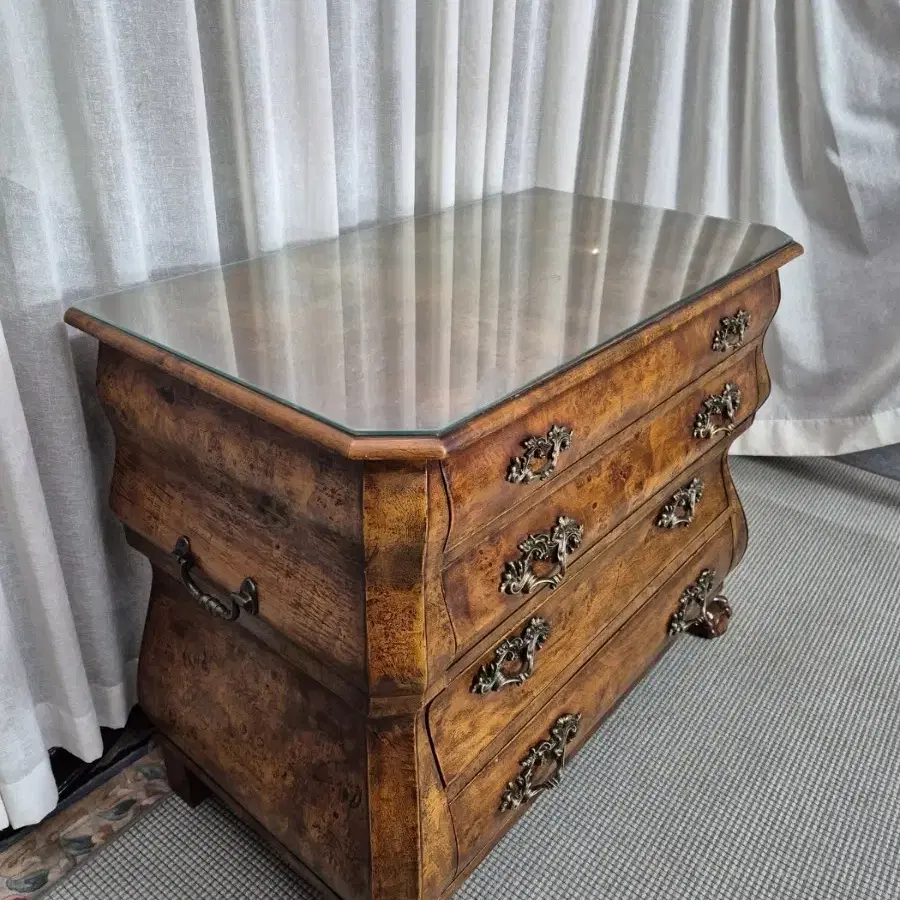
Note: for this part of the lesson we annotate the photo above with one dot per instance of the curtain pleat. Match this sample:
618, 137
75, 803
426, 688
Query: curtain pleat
143, 139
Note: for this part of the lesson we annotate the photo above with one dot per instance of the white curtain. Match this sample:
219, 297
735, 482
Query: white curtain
141, 138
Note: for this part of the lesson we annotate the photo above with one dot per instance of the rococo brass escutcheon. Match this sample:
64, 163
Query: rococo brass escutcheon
539, 449
722, 406
522, 788
521, 649
554, 547
698, 613
730, 333
244, 598
680, 509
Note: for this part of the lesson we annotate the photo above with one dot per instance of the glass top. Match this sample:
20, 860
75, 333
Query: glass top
416, 325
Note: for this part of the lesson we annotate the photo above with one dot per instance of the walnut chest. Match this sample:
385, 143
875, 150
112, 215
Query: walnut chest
422, 504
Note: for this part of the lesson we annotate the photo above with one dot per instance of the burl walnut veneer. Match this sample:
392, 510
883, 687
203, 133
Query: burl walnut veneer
423, 503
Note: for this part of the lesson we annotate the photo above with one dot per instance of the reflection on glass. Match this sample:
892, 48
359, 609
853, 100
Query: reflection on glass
414, 326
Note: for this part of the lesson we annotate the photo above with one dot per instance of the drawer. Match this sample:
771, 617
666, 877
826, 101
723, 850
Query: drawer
479, 812
593, 498
570, 619
622, 385
253, 501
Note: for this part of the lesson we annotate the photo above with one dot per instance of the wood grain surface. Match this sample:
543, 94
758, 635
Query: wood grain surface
253, 501
340, 721
578, 613
395, 506
597, 399
283, 746
420, 448
592, 692
599, 493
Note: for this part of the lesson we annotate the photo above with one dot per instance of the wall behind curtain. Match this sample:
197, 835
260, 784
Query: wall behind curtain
140, 139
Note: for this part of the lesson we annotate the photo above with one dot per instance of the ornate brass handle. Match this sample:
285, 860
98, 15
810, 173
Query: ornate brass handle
552, 546
730, 333
698, 613
685, 498
536, 447
491, 677
244, 598
522, 788
722, 406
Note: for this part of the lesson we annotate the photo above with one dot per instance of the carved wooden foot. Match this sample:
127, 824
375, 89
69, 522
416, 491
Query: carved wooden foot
181, 779
715, 620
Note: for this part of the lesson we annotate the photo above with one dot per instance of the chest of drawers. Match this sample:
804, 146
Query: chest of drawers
422, 504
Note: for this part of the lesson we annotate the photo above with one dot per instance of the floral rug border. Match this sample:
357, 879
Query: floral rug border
65, 839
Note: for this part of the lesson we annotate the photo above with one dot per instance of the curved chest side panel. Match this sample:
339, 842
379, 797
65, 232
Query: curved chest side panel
282, 746
253, 501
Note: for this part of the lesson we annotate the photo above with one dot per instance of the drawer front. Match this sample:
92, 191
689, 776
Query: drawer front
252, 501
491, 692
485, 583
491, 800
500, 471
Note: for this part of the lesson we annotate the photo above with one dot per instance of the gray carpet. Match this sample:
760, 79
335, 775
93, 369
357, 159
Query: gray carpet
764, 765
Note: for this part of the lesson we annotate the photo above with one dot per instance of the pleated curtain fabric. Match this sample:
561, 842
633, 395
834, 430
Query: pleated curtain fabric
143, 139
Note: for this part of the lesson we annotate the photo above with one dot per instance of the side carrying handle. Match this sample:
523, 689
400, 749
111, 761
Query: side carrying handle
228, 607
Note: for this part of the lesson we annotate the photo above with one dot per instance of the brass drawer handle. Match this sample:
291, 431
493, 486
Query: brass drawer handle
686, 499
721, 406
522, 788
244, 598
491, 677
698, 613
730, 333
552, 546
536, 447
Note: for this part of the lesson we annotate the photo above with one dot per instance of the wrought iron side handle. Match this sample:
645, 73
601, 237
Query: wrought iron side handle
554, 546
521, 649
244, 598
522, 788
544, 450
722, 406
685, 499
699, 613
730, 333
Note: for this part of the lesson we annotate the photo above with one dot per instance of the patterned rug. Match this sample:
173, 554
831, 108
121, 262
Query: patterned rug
763, 766
64, 841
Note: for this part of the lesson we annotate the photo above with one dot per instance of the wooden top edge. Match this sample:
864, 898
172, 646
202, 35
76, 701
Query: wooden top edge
287, 418
497, 417
787, 253
400, 448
